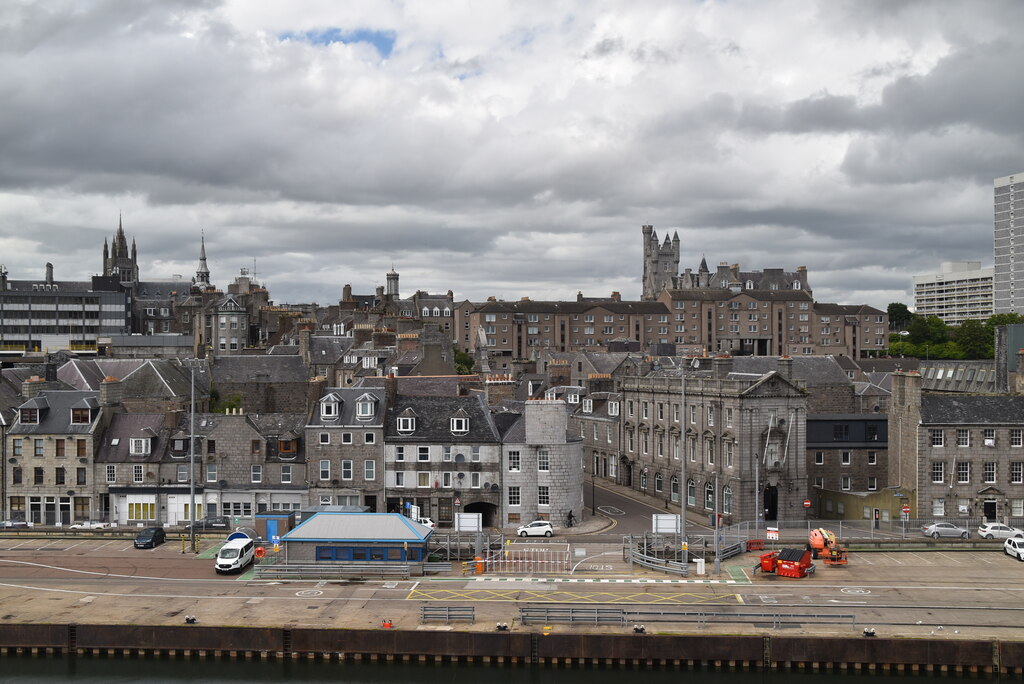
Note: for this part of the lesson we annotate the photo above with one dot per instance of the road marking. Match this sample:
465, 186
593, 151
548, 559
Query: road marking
855, 590
560, 596
611, 510
309, 593
102, 574
948, 559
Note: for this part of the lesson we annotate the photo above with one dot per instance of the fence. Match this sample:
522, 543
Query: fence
266, 570
549, 559
847, 529
447, 613
621, 616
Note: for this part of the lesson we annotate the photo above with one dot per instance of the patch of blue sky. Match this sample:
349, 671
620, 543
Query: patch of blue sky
383, 41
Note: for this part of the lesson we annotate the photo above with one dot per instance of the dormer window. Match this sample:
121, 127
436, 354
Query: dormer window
460, 426
588, 405
613, 408
406, 425
426, 311
329, 406
286, 446
750, 285
574, 398
365, 407
80, 416
437, 311
29, 416
139, 446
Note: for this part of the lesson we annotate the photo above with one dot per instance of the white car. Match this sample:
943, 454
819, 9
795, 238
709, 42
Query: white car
538, 528
426, 522
89, 525
1014, 547
998, 531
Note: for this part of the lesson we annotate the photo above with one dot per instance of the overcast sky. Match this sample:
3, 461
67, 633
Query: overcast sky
507, 148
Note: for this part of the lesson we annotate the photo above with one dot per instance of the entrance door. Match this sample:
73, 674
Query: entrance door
272, 529
990, 510
771, 503
50, 510
444, 510
370, 501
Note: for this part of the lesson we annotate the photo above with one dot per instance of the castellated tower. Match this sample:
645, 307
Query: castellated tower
661, 263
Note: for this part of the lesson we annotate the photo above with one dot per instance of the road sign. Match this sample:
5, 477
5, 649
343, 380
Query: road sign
458, 501
905, 509
807, 503
773, 534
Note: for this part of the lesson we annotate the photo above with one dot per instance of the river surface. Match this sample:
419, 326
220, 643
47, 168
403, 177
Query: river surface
25, 670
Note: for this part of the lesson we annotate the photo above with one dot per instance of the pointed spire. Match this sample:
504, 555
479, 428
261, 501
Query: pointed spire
203, 272
703, 265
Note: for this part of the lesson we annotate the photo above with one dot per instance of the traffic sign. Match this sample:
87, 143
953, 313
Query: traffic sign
905, 509
807, 503
773, 533
458, 501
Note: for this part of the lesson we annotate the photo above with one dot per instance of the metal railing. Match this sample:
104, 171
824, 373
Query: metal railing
621, 616
571, 614
331, 570
447, 613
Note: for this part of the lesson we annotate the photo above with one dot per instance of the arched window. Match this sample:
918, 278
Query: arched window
674, 485
709, 496
426, 311
727, 500
750, 285
691, 493
796, 284
657, 482
447, 312
437, 311
643, 480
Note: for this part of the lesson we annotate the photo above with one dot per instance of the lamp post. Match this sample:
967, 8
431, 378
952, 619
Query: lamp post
683, 488
718, 562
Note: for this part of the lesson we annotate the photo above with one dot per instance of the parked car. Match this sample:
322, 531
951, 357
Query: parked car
944, 529
214, 522
538, 528
426, 522
89, 525
13, 525
1014, 546
998, 531
149, 538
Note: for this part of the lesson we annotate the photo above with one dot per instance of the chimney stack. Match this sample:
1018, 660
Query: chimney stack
110, 391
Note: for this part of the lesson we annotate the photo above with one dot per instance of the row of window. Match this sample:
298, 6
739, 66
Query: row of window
659, 408
845, 458
423, 453
989, 471
543, 462
424, 479
937, 437
39, 447
846, 483
710, 449
963, 507
79, 416
458, 426
346, 438
60, 476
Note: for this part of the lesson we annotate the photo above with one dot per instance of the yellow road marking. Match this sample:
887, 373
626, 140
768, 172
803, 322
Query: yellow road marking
525, 595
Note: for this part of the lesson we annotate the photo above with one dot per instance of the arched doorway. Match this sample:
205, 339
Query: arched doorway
771, 503
488, 512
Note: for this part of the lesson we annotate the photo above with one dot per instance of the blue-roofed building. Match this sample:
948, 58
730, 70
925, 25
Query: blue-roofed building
330, 537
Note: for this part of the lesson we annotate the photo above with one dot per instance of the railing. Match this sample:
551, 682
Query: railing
331, 570
447, 613
620, 616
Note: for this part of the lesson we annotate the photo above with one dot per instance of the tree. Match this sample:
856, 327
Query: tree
974, 340
997, 320
899, 316
463, 363
929, 330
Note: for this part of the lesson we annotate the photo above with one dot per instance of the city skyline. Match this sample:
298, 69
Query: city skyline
509, 152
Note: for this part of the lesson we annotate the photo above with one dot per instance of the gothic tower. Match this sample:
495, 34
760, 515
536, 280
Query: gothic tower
661, 263
202, 279
117, 260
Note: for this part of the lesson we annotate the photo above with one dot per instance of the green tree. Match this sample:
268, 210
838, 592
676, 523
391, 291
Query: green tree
997, 320
929, 329
975, 339
463, 362
899, 316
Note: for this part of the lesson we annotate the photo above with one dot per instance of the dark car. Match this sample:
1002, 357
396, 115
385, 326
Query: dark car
13, 525
150, 538
216, 522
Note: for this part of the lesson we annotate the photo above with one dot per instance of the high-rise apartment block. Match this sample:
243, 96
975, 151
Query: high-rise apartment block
960, 291
1008, 191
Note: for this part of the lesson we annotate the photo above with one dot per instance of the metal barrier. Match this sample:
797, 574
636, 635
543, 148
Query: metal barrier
620, 616
591, 616
447, 613
637, 558
434, 567
330, 570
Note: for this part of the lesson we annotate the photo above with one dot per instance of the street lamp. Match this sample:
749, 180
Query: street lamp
683, 487
192, 458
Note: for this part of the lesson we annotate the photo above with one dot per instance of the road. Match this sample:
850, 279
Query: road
911, 593
631, 516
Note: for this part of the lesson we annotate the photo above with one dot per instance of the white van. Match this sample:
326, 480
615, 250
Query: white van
236, 554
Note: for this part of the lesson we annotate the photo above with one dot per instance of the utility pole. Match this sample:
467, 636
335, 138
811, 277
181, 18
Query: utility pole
192, 461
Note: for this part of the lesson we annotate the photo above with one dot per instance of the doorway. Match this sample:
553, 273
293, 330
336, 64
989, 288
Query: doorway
990, 510
771, 503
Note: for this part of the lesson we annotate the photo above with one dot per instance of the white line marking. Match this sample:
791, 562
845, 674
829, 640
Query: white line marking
102, 574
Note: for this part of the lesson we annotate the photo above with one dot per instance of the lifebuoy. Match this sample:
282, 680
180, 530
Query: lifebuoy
260, 552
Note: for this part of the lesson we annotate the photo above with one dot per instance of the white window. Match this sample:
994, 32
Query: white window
474, 454
346, 437
963, 437
474, 480
543, 495
963, 472
1017, 472
256, 474
1016, 437
423, 453
346, 469
406, 425
325, 469
423, 479
846, 481
446, 479
369, 437
846, 458
325, 438
588, 405
819, 458
399, 478
938, 507
711, 416
137, 473
938, 472
111, 473
988, 470
369, 470
543, 461
613, 408
460, 426
364, 410
514, 497
709, 496
211, 472
286, 474
514, 462
139, 447
728, 417
446, 453
936, 437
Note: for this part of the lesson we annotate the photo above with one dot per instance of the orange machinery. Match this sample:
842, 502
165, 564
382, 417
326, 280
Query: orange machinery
787, 563
824, 545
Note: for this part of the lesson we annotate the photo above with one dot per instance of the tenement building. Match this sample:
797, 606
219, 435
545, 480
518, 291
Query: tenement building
1008, 266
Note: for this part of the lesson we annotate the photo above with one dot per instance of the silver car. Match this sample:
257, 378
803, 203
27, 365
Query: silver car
998, 531
944, 529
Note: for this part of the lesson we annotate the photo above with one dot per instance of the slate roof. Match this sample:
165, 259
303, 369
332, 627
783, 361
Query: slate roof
348, 398
55, 413
140, 378
813, 371
125, 426
249, 369
365, 527
433, 416
972, 409
427, 385
272, 424
326, 350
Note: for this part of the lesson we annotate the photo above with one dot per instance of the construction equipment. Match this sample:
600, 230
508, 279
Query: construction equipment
787, 563
823, 545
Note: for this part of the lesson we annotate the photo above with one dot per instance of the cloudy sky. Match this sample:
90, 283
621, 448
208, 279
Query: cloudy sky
507, 148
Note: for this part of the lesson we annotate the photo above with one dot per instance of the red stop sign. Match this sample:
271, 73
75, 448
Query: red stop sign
807, 503
906, 509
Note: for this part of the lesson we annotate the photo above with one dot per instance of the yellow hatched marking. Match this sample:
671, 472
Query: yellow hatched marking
603, 597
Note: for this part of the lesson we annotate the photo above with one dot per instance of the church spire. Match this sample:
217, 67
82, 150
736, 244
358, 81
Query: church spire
203, 272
